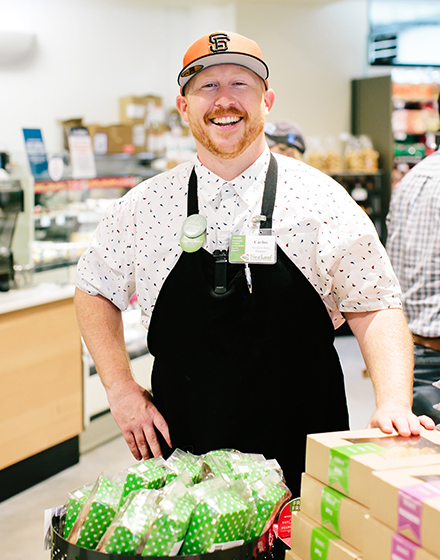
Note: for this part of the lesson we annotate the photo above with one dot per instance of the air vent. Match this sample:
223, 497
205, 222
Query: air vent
383, 49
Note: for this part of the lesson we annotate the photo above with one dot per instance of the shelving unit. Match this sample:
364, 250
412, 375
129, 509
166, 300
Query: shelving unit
400, 118
367, 190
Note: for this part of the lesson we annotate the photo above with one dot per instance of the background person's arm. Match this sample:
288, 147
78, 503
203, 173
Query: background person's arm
387, 348
131, 405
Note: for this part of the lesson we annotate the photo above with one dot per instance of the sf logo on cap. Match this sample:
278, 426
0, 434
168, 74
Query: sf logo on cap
218, 42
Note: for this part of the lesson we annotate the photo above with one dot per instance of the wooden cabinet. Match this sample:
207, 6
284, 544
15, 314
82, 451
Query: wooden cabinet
40, 378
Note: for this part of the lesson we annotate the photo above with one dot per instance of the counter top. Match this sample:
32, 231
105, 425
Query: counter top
14, 300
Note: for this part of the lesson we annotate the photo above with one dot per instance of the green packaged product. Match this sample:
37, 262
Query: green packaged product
76, 502
126, 531
252, 469
168, 531
265, 496
148, 474
219, 519
218, 464
184, 462
98, 511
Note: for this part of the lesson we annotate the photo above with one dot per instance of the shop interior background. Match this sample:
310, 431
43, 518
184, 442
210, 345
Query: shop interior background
86, 54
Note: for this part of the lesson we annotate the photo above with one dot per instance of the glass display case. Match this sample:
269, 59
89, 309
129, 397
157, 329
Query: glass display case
60, 217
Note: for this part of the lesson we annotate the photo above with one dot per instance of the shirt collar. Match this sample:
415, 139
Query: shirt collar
244, 184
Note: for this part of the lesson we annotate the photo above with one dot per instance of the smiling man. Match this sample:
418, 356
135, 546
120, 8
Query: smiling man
244, 354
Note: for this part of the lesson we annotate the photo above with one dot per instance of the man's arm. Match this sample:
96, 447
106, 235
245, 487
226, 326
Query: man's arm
387, 348
131, 405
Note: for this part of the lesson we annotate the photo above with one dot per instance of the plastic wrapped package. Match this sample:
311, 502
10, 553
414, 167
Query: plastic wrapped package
167, 533
219, 519
125, 533
252, 467
98, 511
183, 461
76, 501
148, 474
268, 494
218, 464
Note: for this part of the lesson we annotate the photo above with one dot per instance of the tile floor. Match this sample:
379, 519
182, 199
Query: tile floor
22, 516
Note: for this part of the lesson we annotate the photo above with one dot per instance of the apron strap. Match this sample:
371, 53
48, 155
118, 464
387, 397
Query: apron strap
270, 191
267, 206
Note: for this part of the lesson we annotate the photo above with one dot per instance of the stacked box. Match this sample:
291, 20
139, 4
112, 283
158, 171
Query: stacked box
334, 511
382, 542
290, 555
407, 502
311, 541
146, 116
346, 460
113, 139
134, 109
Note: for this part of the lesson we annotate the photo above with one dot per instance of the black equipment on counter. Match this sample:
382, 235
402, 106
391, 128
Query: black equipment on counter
11, 203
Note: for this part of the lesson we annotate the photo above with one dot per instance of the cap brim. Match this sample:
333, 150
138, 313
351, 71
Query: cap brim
246, 60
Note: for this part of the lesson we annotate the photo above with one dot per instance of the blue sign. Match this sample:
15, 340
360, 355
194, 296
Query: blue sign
36, 152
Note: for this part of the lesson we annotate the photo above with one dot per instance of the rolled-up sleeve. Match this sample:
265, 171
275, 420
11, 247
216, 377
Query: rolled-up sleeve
107, 266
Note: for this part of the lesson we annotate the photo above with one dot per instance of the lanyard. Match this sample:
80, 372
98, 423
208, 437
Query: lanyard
267, 206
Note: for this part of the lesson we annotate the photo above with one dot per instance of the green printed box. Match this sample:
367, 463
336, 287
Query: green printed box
345, 460
339, 514
311, 541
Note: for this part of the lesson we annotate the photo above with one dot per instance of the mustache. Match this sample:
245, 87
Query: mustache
218, 113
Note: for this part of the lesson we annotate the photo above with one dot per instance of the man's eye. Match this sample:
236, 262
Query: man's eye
208, 86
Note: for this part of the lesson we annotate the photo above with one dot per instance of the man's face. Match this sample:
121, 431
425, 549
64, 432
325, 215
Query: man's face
225, 106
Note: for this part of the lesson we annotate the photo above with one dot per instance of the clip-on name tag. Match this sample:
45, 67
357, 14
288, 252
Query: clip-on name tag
253, 249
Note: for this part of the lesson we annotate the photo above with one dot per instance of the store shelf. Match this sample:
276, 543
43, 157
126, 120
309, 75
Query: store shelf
399, 118
66, 213
366, 188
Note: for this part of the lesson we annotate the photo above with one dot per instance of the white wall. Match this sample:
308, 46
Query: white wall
313, 51
88, 54
91, 52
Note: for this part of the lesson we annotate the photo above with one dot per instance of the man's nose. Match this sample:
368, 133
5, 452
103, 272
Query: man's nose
224, 97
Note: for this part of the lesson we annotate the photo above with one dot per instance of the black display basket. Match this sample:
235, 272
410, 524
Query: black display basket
265, 547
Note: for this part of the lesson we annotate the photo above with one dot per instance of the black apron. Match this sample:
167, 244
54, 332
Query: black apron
253, 372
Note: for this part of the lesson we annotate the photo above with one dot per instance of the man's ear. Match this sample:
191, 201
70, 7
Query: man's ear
182, 107
269, 100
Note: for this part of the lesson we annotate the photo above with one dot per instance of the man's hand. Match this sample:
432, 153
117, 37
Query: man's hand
391, 417
133, 410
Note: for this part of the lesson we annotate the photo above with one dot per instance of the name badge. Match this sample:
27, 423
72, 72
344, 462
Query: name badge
253, 249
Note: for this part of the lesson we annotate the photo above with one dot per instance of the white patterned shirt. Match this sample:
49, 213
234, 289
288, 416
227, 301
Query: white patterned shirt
316, 223
414, 244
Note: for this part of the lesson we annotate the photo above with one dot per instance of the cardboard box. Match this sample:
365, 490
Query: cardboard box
292, 556
408, 501
381, 542
334, 511
67, 125
309, 538
345, 460
134, 109
99, 136
113, 139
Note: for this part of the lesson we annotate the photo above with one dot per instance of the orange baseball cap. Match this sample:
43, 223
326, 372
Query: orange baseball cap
222, 47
